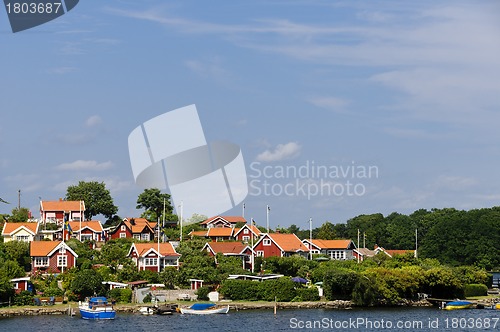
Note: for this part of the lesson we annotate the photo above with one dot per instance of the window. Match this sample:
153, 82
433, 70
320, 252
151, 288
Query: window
170, 262
260, 253
62, 261
145, 236
123, 228
86, 237
16, 285
246, 238
23, 238
123, 235
245, 231
137, 236
41, 261
150, 261
266, 242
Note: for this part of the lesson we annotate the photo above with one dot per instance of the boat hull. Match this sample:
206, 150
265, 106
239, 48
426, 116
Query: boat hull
223, 310
458, 305
98, 314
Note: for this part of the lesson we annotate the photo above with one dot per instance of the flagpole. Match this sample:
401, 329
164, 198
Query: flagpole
163, 218
80, 233
251, 235
358, 245
158, 227
416, 242
243, 215
182, 207
267, 217
310, 237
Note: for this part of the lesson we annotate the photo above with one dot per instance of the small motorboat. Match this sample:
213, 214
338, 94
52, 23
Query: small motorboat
456, 305
147, 310
97, 308
204, 309
497, 306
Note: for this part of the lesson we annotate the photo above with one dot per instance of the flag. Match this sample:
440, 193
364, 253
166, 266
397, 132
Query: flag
2, 201
268, 208
67, 226
253, 222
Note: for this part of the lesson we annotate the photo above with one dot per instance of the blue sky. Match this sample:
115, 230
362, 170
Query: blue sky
411, 88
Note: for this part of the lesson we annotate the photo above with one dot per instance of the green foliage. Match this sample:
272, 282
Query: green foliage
442, 283
202, 293
23, 298
240, 290
475, 290
87, 283
18, 251
154, 202
365, 292
12, 269
307, 294
282, 289
288, 266
6, 289
121, 295
338, 284
97, 198
19, 215
114, 252
147, 298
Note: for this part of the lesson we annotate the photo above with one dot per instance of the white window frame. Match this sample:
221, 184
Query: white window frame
87, 237
246, 231
123, 235
123, 228
246, 238
145, 237
150, 261
41, 261
260, 253
266, 242
136, 236
62, 261
22, 238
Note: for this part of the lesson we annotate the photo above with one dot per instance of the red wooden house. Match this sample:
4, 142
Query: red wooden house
58, 211
51, 256
21, 284
281, 245
136, 228
146, 255
244, 233
234, 249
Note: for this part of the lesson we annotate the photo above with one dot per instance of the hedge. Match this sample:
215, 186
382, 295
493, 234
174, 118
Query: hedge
475, 290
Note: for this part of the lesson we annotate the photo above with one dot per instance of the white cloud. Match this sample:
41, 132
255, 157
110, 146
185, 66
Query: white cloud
62, 70
85, 165
280, 152
331, 103
93, 121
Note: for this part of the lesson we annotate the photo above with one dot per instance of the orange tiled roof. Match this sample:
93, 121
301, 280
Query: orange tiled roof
332, 244
254, 229
11, 227
230, 219
62, 205
288, 242
198, 233
227, 247
139, 224
394, 252
42, 248
166, 249
220, 231
94, 225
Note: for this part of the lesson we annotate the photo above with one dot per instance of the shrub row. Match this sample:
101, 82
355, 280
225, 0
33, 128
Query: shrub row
282, 290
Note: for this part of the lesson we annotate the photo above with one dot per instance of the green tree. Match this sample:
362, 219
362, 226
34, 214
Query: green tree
18, 251
12, 269
97, 198
19, 214
154, 202
87, 283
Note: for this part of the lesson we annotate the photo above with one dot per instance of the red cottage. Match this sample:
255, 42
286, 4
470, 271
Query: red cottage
145, 256
51, 256
136, 228
58, 211
281, 245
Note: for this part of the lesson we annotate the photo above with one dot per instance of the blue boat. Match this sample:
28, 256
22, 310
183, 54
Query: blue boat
457, 305
97, 308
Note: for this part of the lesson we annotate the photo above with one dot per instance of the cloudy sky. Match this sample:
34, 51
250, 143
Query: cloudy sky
396, 104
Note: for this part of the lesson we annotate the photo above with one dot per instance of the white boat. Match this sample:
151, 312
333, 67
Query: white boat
147, 311
204, 309
97, 308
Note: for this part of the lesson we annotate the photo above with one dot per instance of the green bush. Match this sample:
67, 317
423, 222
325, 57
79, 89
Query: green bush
23, 298
307, 294
240, 290
281, 290
202, 293
147, 298
339, 283
121, 295
475, 290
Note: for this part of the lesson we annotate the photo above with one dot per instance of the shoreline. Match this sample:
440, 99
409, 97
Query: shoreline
72, 308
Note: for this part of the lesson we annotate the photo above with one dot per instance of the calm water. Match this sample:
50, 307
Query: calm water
415, 319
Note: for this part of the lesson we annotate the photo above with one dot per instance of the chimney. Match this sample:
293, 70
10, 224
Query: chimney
375, 247
60, 199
